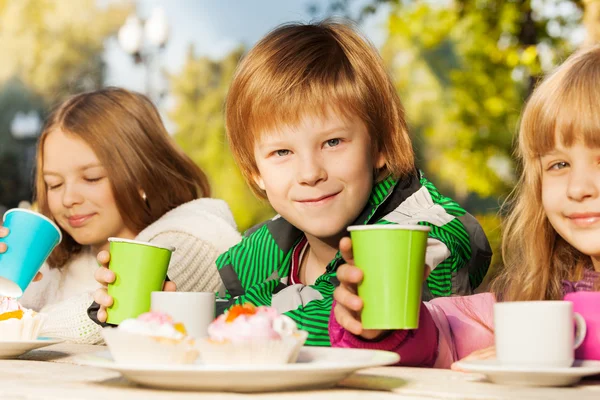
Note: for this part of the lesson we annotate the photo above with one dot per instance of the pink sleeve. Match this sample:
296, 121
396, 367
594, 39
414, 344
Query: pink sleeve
450, 328
417, 348
464, 324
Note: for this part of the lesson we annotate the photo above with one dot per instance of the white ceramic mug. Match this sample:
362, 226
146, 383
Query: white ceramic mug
537, 333
195, 310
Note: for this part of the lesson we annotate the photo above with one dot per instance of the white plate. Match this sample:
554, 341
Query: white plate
530, 376
11, 349
317, 367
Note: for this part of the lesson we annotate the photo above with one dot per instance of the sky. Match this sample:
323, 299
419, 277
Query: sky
214, 27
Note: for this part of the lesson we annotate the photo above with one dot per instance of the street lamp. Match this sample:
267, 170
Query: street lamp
144, 40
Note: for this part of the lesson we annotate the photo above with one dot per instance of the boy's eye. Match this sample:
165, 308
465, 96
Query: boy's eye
281, 153
559, 165
332, 142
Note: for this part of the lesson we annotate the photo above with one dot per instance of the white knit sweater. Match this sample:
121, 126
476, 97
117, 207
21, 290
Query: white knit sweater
200, 230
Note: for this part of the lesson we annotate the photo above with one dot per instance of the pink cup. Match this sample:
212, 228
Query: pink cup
587, 304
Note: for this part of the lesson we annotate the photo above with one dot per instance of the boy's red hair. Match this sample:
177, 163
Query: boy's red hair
301, 69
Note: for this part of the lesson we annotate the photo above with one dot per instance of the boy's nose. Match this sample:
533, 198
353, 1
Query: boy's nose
311, 171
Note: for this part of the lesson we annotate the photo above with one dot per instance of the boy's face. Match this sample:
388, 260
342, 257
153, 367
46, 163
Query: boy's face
318, 175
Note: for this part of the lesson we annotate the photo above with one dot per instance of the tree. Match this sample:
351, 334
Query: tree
199, 92
54, 46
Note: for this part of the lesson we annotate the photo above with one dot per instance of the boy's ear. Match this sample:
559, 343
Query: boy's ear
379, 161
259, 181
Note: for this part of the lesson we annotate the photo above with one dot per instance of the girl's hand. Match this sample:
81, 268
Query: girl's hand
104, 276
3, 233
482, 354
348, 305
3, 247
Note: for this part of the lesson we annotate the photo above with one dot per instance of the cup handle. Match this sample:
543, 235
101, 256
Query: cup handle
581, 330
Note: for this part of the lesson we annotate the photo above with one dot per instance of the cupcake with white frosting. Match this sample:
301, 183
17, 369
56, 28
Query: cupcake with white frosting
252, 335
152, 338
18, 323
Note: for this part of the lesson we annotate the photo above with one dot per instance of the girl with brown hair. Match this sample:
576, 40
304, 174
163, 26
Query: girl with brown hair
106, 167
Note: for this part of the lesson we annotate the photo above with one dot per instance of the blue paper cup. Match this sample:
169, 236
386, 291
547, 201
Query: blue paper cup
31, 239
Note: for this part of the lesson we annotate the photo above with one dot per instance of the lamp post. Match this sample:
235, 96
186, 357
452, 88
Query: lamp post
144, 41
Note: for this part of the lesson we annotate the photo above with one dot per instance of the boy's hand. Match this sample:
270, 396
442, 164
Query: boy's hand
3, 247
104, 276
348, 305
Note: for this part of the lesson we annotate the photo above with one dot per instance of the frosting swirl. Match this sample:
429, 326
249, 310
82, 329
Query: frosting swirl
247, 323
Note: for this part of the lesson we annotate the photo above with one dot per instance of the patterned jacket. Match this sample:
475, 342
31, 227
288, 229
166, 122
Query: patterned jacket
257, 269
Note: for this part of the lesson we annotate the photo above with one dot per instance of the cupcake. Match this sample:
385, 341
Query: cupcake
252, 335
18, 323
151, 338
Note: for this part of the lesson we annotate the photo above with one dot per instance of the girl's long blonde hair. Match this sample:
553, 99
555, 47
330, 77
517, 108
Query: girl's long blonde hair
565, 107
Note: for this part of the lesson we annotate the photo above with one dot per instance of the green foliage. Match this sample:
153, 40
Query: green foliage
463, 73
55, 46
199, 92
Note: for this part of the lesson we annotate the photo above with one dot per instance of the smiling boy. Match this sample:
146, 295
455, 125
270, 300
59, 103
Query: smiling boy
318, 130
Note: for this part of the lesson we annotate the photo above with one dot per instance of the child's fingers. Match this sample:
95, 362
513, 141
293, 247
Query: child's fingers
170, 286
103, 258
482, 354
101, 315
3, 248
104, 276
347, 320
346, 250
347, 299
348, 274
101, 297
3, 231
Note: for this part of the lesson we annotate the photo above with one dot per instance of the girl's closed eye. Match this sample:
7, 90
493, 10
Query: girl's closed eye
92, 180
53, 186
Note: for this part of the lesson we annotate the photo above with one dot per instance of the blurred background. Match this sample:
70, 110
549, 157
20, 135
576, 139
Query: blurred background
463, 69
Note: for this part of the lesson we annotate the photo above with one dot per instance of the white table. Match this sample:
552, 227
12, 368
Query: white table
51, 373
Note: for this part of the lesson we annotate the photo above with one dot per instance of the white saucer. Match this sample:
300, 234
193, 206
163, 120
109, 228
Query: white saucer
12, 349
531, 376
317, 367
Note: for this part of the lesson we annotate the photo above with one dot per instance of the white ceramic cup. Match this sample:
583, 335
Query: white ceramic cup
195, 310
537, 333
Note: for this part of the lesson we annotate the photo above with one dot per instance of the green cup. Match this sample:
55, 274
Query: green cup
140, 268
392, 258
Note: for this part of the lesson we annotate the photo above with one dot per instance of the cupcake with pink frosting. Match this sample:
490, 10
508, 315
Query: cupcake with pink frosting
252, 335
153, 338
18, 323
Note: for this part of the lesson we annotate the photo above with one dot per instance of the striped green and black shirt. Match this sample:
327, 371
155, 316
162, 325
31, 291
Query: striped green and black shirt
257, 269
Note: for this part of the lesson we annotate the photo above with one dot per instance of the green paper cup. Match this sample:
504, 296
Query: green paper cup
392, 258
140, 269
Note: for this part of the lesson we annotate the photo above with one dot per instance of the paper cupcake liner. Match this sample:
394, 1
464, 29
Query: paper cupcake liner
281, 351
26, 328
131, 348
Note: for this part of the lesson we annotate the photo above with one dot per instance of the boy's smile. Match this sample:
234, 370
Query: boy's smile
319, 173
